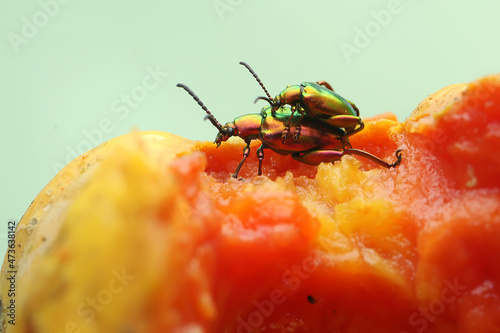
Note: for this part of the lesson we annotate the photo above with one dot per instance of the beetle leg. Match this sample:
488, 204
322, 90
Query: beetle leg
325, 84
343, 121
297, 107
284, 134
316, 157
356, 130
351, 124
374, 158
260, 156
298, 128
246, 152
354, 107
345, 142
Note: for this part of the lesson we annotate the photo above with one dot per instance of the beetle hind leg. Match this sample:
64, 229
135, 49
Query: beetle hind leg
316, 157
374, 158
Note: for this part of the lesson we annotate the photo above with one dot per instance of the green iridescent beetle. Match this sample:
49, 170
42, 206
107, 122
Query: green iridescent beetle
318, 100
319, 142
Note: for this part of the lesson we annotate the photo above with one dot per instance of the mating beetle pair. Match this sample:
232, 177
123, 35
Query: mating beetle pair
317, 100
323, 121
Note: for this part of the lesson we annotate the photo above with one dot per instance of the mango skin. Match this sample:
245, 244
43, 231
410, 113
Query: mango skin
56, 232
149, 233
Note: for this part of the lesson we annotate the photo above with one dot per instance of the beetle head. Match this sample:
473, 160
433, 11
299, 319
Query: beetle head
225, 132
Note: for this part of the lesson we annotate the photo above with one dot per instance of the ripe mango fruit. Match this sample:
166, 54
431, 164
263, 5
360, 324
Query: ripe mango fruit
148, 232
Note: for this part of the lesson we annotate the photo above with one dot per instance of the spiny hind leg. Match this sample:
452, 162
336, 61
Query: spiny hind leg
316, 157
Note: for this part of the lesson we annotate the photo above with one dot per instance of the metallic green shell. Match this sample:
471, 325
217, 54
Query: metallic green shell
318, 100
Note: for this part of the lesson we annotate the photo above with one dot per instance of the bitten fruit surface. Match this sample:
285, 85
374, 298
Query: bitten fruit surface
149, 233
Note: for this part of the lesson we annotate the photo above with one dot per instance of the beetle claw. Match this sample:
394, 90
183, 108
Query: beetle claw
284, 135
399, 158
297, 133
345, 142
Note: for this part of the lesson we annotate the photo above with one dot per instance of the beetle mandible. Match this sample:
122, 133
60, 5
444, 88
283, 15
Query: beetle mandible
318, 143
317, 100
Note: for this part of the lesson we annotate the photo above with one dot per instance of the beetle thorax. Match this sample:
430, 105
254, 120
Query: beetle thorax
290, 95
248, 126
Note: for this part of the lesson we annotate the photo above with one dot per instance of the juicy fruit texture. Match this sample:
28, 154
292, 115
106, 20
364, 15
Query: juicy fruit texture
149, 233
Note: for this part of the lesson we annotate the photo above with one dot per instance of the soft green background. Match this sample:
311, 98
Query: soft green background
67, 67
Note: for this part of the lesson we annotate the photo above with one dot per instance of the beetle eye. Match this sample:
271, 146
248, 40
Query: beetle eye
230, 131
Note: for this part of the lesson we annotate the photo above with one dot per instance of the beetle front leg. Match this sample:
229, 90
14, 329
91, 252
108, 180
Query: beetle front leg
246, 152
284, 134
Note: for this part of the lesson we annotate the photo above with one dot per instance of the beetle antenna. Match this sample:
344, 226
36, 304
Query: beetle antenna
256, 77
214, 122
209, 115
264, 99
